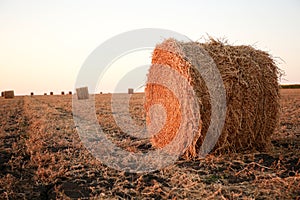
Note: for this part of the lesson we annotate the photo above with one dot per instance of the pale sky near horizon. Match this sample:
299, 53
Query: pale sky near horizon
43, 44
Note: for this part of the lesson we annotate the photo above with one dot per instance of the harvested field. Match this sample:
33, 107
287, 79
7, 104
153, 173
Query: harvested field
41, 157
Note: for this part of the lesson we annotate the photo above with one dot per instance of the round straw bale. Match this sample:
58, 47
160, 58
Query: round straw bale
130, 90
250, 78
82, 93
10, 94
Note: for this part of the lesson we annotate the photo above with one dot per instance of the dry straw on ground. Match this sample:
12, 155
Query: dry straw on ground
250, 78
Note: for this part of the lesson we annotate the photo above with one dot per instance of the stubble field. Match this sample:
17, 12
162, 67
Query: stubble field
42, 157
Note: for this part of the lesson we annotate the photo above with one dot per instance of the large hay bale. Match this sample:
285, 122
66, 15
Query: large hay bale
82, 93
250, 78
9, 94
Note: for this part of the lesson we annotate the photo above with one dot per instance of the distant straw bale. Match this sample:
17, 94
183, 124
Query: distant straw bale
9, 94
82, 93
130, 91
250, 78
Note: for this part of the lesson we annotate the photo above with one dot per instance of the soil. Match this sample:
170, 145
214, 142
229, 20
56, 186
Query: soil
42, 157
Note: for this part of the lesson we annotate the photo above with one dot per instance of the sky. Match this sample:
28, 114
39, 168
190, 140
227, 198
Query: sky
43, 44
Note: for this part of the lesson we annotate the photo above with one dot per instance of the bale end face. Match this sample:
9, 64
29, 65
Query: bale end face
172, 122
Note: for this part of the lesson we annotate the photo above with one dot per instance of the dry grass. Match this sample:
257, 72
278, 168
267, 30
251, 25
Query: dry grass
42, 158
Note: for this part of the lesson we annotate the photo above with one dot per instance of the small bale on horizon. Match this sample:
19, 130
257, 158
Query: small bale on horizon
62, 93
2, 94
82, 93
46, 93
31, 94
9, 94
51, 93
130, 90
70, 92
